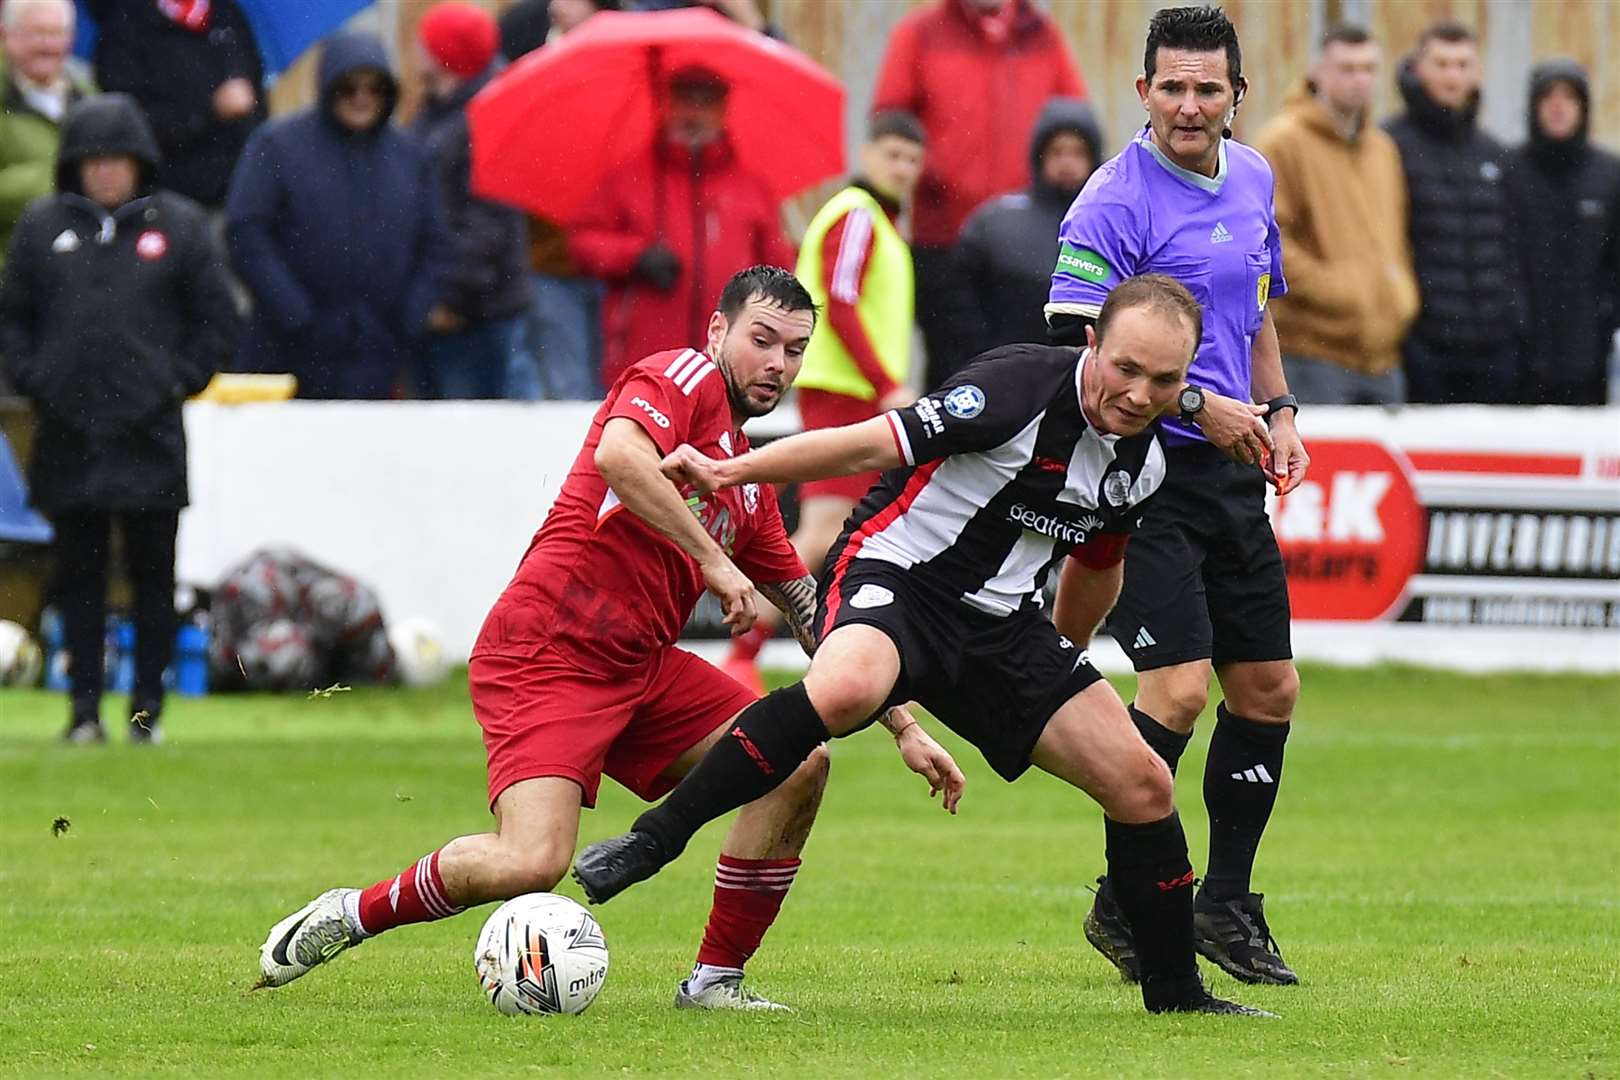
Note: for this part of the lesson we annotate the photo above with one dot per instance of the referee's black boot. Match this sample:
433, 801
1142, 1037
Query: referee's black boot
1110, 934
1233, 935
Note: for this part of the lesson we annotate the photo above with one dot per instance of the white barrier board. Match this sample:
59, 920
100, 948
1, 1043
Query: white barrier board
1474, 538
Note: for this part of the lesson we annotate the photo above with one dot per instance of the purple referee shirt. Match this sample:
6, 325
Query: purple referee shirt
1141, 213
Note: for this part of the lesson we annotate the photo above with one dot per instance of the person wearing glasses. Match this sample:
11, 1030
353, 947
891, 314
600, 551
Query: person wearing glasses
335, 226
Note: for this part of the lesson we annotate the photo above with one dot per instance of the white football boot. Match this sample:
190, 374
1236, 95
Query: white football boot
725, 992
310, 936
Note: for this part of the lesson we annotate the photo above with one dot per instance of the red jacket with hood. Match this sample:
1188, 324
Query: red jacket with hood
700, 204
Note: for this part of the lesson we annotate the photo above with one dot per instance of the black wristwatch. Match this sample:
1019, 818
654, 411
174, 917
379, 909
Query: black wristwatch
1191, 402
1286, 401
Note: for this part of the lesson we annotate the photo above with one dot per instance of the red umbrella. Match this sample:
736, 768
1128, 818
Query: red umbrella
549, 128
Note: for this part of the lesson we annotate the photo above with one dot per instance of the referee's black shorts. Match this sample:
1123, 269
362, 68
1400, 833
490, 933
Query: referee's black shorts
1203, 575
994, 681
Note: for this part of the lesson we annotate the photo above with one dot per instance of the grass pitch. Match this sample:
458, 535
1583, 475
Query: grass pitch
1442, 872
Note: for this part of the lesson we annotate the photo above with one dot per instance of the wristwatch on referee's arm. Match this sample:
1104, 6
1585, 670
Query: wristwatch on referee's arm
1191, 403
1276, 404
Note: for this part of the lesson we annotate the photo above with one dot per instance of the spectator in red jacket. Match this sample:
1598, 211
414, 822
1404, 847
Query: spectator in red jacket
670, 229
976, 73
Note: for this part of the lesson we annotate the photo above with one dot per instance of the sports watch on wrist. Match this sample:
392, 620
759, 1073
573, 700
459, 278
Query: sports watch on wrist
1191, 403
1286, 401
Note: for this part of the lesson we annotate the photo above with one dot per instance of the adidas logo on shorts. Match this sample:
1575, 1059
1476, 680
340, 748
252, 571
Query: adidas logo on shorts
1143, 639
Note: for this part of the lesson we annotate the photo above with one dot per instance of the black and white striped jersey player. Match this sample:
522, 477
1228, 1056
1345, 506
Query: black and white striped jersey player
1031, 456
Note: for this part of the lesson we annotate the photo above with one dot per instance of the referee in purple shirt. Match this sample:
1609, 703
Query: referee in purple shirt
1204, 590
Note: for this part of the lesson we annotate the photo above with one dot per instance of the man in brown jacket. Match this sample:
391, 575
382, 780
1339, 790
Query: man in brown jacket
1342, 206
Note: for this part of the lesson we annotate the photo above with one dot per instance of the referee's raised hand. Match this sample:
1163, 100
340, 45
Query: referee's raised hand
1237, 428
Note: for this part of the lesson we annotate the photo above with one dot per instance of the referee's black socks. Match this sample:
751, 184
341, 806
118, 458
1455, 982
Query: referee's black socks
1169, 745
1152, 882
1241, 777
770, 740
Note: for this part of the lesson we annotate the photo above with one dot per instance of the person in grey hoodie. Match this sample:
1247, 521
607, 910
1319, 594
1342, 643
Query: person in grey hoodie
1007, 248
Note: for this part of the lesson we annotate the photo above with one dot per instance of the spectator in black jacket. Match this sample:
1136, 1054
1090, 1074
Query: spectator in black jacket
335, 226
1009, 246
1566, 195
479, 321
1466, 343
113, 310
194, 68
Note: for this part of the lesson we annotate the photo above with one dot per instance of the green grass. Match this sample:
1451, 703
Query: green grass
1442, 871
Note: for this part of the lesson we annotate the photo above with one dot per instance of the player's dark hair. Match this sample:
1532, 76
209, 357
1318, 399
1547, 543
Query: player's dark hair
1346, 34
770, 283
1160, 292
1197, 29
896, 122
1445, 30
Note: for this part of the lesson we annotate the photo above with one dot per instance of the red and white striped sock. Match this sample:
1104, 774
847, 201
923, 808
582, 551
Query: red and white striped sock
747, 895
416, 894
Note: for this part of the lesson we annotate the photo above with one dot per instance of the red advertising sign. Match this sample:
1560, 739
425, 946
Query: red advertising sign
1352, 534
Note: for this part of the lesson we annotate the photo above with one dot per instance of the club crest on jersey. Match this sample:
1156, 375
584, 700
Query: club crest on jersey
965, 402
871, 596
750, 497
725, 443
66, 241
1117, 487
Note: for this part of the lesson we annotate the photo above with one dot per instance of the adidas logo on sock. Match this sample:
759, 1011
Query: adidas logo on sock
1219, 235
1256, 775
1143, 638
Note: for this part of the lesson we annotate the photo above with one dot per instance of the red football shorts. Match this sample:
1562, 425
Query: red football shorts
821, 409
546, 716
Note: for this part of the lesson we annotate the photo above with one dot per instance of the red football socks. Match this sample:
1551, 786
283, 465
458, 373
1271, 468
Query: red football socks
747, 895
414, 895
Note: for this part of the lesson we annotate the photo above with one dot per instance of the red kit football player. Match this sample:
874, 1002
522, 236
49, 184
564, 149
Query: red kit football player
577, 674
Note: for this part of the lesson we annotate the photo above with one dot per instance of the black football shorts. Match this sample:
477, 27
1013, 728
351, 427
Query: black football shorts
1203, 575
994, 681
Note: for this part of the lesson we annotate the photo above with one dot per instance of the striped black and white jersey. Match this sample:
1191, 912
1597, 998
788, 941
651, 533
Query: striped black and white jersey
1003, 477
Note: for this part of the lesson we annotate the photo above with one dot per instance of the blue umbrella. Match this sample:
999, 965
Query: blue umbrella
283, 28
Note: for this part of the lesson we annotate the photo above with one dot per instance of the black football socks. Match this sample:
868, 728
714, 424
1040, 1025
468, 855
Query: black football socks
1168, 744
1241, 777
1152, 881
769, 741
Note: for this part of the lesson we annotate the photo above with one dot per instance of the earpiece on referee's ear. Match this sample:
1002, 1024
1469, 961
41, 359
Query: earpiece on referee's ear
1237, 99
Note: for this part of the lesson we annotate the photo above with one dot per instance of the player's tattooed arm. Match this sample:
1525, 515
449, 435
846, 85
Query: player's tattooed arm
796, 600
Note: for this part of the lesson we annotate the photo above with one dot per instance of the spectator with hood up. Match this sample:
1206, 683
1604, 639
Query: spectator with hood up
1465, 345
478, 322
1008, 247
1567, 203
335, 226
114, 308
667, 231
